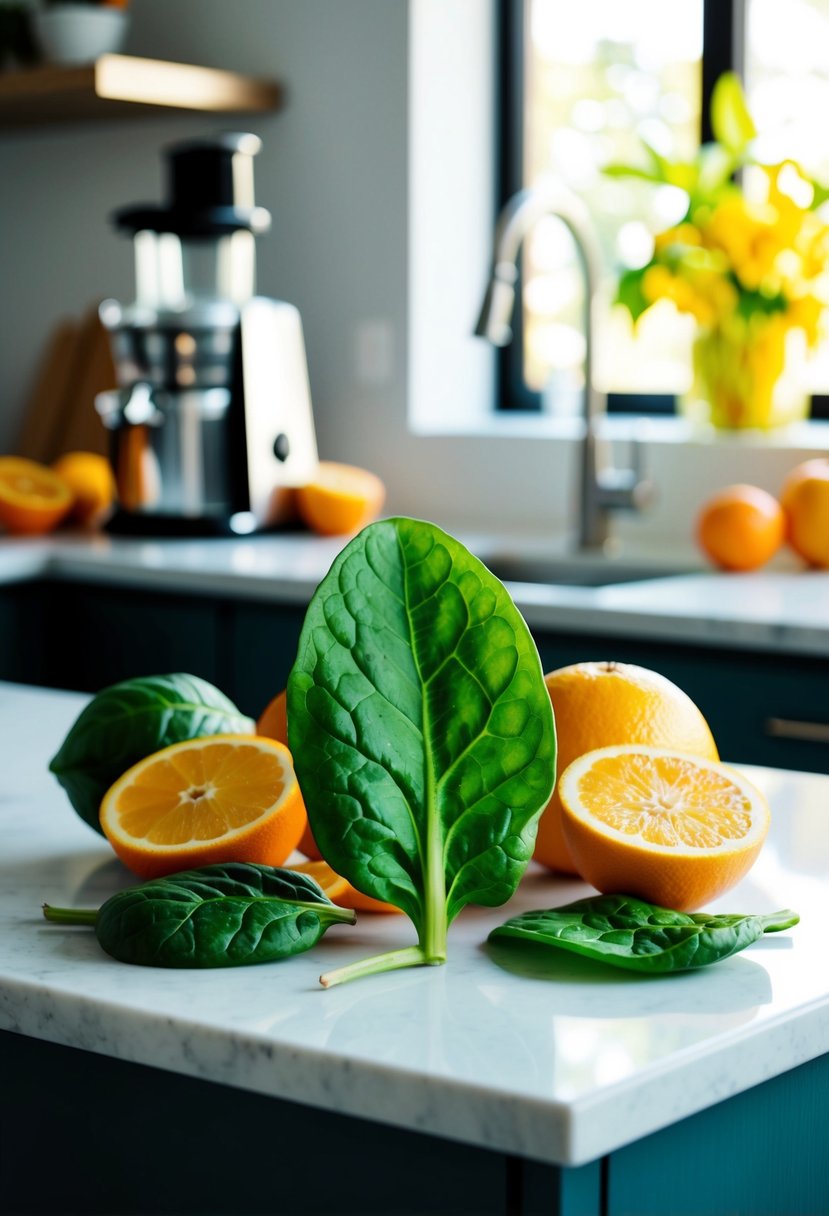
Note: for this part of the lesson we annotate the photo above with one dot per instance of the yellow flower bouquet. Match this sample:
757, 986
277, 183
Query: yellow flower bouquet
747, 262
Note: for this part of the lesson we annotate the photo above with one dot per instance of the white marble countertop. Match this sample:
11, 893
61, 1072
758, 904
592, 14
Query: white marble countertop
560, 1061
781, 609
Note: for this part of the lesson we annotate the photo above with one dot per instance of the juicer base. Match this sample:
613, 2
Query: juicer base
127, 523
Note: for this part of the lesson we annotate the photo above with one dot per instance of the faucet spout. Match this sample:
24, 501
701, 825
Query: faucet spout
601, 489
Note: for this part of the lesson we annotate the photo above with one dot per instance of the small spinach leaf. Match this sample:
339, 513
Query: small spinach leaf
128, 721
631, 933
421, 730
227, 915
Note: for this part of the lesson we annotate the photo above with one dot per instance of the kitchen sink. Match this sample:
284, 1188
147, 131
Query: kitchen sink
576, 571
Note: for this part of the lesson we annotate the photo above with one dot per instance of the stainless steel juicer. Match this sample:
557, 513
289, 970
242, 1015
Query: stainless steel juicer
212, 423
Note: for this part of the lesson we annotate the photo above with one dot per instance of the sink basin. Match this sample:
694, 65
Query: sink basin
575, 571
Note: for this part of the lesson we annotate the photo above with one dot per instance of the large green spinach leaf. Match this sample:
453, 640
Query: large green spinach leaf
227, 915
421, 730
128, 721
631, 933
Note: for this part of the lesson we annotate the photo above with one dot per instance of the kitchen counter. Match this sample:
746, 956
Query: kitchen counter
782, 609
554, 1060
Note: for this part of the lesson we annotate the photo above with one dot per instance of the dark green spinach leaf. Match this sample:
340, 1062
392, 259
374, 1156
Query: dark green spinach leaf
421, 730
218, 916
131, 720
631, 933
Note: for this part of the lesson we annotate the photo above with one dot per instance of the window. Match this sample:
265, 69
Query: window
581, 83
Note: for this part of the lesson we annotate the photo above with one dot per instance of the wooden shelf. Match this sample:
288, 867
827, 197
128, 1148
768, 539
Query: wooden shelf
120, 86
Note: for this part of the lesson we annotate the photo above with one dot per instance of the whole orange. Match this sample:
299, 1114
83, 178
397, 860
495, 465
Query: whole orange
91, 480
273, 720
805, 502
741, 527
603, 704
273, 723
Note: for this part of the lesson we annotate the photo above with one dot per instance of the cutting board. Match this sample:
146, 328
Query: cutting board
43, 412
60, 414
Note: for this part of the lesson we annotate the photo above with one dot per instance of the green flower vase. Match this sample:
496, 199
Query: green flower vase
748, 374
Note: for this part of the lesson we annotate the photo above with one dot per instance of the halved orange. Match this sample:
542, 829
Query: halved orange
203, 801
674, 829
33, 498
341, 499
339, 890
333, 884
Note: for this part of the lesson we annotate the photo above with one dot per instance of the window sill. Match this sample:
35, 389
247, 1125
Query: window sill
651, 429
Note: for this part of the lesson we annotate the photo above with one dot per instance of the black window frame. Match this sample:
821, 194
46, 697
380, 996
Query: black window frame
720, 54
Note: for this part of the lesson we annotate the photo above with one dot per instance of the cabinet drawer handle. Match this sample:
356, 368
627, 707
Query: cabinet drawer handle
807, 732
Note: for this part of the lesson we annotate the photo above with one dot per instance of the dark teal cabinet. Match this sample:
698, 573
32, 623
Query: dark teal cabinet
262, 643
84, 637
761, 1153
83, 1134
81, 637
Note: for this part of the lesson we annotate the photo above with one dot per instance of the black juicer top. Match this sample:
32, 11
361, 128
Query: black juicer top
210, 190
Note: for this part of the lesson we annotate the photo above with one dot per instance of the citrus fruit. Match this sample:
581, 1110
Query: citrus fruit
339, 890
805, 502
333, 884
599, 704
273, 723
307, 844
674, 829
201, 801
273, 720
33, 498
340, 499
741, 527
91, 480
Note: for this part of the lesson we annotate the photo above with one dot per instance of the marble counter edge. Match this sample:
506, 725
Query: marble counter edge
702, 1079
552, 1132
22, 563
500, 1121
660, 625
231, 585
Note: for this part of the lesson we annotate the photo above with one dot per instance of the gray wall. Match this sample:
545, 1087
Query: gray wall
332, 171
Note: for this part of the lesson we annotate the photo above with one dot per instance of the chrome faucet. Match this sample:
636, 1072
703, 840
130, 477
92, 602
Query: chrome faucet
602, 489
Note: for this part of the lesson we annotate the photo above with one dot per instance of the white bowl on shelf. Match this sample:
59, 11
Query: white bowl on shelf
79, 33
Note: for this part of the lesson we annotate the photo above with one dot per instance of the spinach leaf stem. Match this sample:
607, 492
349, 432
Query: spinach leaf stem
70, 916
391, 960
